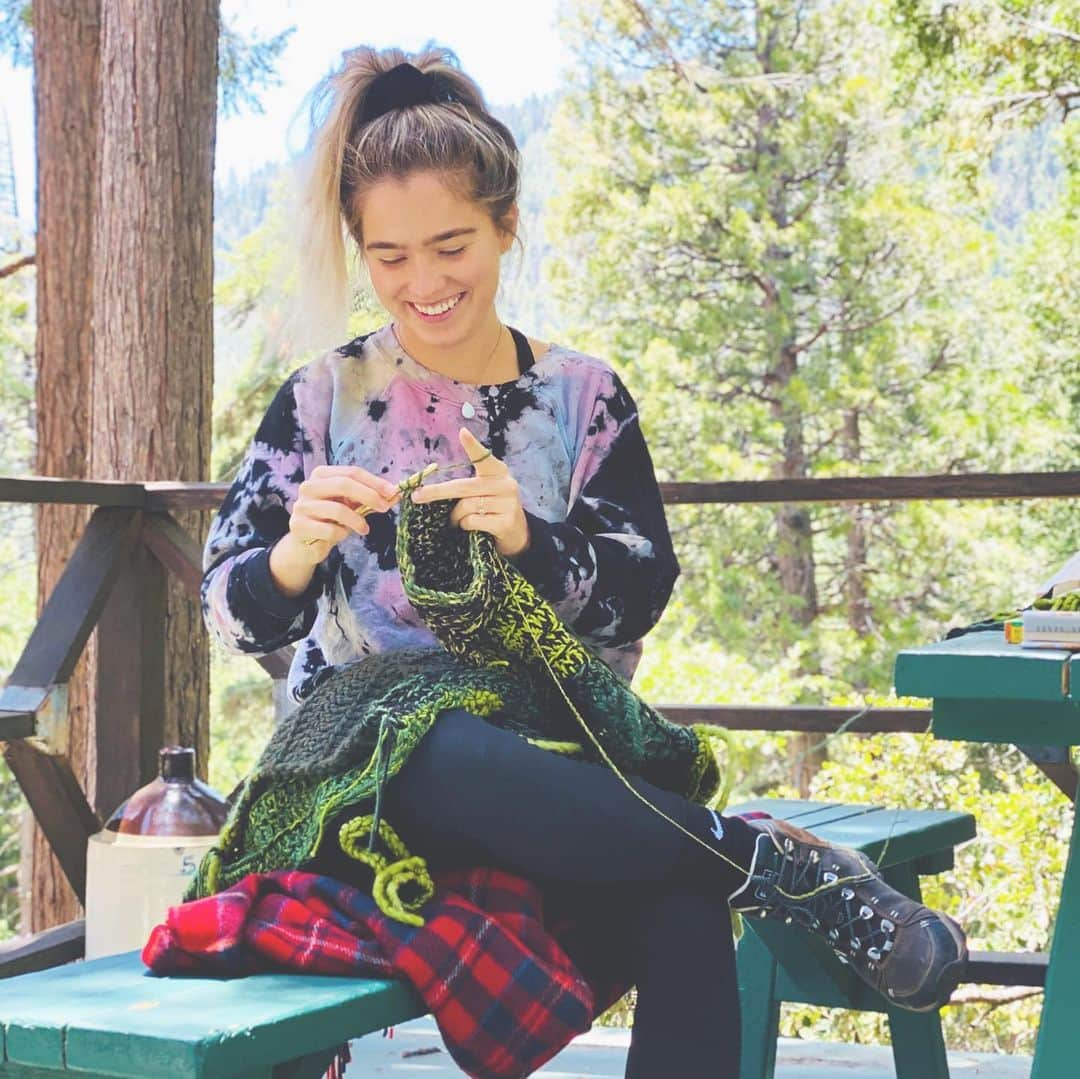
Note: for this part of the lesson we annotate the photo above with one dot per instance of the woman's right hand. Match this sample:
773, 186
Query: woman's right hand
325, 512
328, 503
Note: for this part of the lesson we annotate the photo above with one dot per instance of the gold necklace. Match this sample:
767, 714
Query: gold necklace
468, 410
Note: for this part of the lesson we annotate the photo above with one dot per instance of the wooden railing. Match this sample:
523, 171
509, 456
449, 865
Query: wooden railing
116, 579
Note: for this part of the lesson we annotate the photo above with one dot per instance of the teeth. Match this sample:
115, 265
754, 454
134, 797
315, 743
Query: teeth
438, 309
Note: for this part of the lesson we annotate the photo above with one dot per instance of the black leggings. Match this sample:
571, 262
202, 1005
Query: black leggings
480, 795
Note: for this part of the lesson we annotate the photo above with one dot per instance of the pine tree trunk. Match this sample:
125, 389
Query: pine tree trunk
795, 558
126, 95
66, 103
858, 602
153, 297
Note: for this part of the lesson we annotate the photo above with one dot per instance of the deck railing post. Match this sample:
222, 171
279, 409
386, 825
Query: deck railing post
130, 726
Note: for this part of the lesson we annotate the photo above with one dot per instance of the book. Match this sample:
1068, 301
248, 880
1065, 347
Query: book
1051, 629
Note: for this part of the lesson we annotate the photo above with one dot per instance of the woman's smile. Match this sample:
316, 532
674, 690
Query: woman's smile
437, 312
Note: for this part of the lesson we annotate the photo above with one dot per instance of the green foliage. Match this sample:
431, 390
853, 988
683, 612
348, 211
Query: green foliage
1019, 60
774, 263
242, 707
802, 273
247, 63
17, 563
15, 35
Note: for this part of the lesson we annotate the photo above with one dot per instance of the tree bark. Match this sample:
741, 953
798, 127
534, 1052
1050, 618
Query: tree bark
860, 616
153, 296
126, 94
795, 556
66, 103
794, 527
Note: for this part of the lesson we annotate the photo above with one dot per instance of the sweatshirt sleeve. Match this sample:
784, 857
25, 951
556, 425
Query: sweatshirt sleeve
609, 568
241, 605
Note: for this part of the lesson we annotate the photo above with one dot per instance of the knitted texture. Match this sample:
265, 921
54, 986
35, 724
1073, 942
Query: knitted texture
506, 656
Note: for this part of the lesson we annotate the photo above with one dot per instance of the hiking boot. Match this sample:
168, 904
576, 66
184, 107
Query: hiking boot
910, 954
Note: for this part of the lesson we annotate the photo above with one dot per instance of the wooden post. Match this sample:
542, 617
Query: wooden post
130, 710
38, 685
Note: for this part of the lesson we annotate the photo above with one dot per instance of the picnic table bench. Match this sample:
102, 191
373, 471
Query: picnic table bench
778, 963
110, 1018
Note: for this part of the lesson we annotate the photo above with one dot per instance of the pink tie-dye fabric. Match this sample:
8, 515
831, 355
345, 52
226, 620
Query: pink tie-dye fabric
567, 428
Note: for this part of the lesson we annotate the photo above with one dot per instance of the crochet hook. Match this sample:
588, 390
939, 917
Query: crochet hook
410, 483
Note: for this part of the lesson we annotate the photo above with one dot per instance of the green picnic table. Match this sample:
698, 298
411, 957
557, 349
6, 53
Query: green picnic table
986, 690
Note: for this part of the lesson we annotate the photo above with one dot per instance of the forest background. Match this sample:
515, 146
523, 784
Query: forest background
816, 239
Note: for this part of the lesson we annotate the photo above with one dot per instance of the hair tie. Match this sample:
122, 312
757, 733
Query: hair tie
400, 87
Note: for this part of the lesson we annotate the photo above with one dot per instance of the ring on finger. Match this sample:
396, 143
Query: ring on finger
482, 508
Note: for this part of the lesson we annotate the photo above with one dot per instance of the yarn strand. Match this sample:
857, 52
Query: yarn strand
614, 767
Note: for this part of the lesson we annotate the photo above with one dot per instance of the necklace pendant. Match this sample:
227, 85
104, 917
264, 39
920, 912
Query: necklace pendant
467, 410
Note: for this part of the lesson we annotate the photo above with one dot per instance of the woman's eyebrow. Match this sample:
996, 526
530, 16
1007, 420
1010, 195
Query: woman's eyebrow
436, 239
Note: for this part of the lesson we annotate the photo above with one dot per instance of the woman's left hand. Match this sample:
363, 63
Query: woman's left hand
488, 501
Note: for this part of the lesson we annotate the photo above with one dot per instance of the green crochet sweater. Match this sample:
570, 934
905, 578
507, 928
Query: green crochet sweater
506, 656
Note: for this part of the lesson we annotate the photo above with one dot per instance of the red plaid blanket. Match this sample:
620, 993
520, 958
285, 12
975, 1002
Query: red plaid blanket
504, 993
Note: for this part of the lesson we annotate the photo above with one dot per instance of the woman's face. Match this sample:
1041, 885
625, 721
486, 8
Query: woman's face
434, 259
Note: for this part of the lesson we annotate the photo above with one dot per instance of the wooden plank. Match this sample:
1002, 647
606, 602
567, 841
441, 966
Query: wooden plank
110, 1016
169, 495
17, 1071
178, 552
58, 803
1057, 1046
760, 1007
1007, 968
130, 727
1056, 764
917, 1041
164, 496
1036, 722
895, 836
72, 610
983, 485
911, 833
42, 951
56, 490
982, 665
14, 724
799, 717
181, 555
792, 809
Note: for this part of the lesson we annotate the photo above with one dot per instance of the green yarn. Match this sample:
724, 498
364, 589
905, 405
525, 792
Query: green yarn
501, 643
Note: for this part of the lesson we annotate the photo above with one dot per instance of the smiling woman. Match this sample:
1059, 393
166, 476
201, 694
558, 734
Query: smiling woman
411, 170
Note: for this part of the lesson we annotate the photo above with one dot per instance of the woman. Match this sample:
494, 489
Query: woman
411, 166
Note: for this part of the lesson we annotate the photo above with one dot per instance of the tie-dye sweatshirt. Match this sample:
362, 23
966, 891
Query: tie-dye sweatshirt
567, 428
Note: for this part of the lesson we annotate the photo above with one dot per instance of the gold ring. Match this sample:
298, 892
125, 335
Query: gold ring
308, 543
